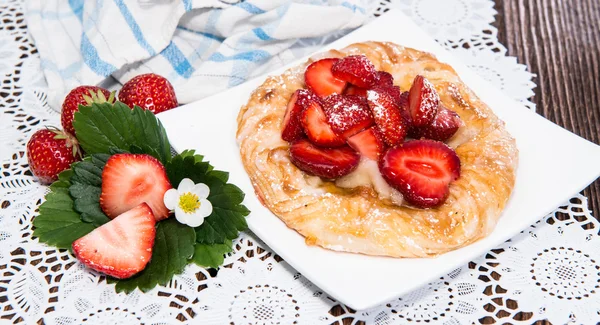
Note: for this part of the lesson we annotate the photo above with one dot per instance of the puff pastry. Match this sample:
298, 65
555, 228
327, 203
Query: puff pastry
357, 220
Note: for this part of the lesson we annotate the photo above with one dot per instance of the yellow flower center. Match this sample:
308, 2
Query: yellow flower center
188, 202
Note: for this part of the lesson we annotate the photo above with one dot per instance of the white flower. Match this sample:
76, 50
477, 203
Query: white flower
189, 202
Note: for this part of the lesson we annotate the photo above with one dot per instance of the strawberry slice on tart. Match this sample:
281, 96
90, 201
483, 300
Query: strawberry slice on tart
357, 70
444, 126
319, 79
421, 170
368, 143
385, 79
131, 179
328, 163
423, 101
316, 127
122, 247
387, 116
347, 114
292, 120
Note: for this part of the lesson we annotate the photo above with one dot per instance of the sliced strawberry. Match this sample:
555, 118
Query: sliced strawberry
316, 127
320, 80
354, 90
404, 101
421, 170
388, 118
443, 127
347, 115
393, 91
128, 180
423, 101
121, 247
357, 70
385, 79
328, 163
292, 125
368, 143
403, 104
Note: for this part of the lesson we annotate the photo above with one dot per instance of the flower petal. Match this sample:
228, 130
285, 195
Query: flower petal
170, 198
195, 222
181, 216
201, 190
195, 218
185, 185
205, 208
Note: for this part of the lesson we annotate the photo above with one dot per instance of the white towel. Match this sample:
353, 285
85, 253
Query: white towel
201, 46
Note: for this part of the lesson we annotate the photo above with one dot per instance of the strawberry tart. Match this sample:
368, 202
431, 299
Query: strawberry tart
377, 149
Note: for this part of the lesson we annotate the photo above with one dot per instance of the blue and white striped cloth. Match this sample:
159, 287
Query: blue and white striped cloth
201, 46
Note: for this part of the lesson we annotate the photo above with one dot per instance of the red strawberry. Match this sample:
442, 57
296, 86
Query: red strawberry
121, 247
357, 70
443, 127
314, 122
128, 180
385, 79
49, 152
393, 91
368, 143
387, 117
421, 170
354, 90
320, 80
82, 95
423, 101
328, 163
404, 101
292, 125
347, 115
149, 91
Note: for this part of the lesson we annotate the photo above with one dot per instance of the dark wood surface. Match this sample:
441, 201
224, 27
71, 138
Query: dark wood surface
559, 41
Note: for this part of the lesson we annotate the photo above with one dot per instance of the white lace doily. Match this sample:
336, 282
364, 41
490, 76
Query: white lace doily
550, 271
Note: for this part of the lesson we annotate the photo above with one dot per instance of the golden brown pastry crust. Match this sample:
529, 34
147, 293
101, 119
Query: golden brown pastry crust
356, 220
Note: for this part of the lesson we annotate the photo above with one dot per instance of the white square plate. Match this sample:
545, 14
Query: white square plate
554, 164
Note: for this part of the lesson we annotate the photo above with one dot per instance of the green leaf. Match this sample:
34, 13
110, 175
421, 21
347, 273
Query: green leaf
211, 255
228, 216
173, 247
86, 188
100, 127
58, 224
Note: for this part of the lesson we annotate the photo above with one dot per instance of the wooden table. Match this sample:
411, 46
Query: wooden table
559, 41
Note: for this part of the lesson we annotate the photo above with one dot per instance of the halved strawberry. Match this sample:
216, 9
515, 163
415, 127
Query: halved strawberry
130, 179
314, 122
443, 127
393, 91
292, 125
385, 79
319, 78
121, 247
403, 105
357, 70
355, 90
423, 101
421, 170
328, 163
388, 118
368, 143
347, 114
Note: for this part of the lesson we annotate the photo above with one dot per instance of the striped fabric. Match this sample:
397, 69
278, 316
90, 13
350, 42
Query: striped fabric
201, 46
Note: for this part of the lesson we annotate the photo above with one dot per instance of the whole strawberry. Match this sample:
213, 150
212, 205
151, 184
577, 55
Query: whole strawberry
82, 95
49, 152
149, 91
